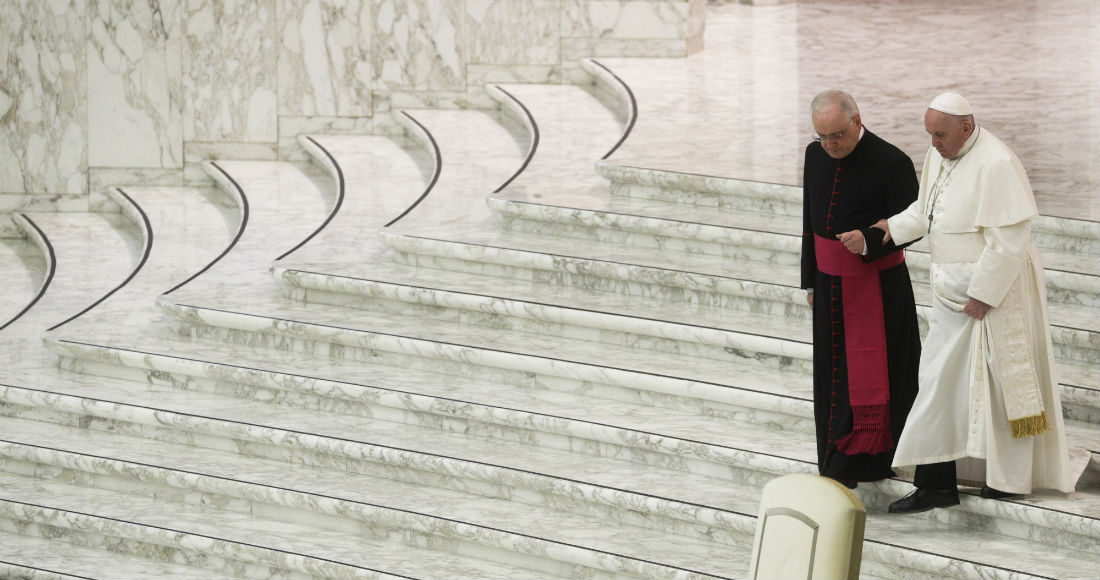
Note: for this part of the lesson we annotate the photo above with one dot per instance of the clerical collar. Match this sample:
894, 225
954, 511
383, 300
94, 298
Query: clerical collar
967, 146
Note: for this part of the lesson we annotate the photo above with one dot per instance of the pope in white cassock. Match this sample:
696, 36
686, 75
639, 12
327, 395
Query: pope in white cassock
988, 408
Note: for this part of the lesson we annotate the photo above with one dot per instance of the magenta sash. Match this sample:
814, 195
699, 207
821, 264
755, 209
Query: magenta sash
864, 343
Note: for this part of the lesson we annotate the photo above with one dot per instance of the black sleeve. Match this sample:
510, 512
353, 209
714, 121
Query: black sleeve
809, 258
901, 192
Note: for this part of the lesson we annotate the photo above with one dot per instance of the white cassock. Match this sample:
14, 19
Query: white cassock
981, 378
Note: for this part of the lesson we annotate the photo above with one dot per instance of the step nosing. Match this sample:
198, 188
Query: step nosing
46, 570
471, 461
648, 217
483, 348
544, 304
966, 560
482, 405
597, 260
192, 534
360, 503
780, 285
388, 447
147, 230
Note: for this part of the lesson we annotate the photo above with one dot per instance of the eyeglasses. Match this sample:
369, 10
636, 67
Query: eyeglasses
834, 137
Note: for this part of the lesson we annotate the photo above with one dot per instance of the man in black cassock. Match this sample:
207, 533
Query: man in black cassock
866, 338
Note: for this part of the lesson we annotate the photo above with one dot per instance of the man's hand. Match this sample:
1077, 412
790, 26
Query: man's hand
976, 308
884, 226
852, 240
810, 298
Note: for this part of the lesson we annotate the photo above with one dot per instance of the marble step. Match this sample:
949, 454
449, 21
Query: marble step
1071, 295
254, 318
93, 253
27, 267
652, 325
227, 542
1065, 244
38, 557
895, 553
593, 215
624, 320
661, 276
467, 531
760, 388
366, 448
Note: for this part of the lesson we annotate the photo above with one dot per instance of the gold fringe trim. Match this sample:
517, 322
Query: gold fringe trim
1030, 426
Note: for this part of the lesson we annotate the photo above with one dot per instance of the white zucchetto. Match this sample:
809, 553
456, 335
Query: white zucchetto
951, 103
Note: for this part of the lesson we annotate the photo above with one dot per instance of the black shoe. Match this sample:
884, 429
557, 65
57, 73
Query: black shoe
923, 499
991, 493
849, 483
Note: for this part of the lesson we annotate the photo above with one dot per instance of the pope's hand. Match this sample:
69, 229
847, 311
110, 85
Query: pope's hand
976, 308
852, 240
884, 226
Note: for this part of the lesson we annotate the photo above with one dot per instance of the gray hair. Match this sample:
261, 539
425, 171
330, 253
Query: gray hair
826, 100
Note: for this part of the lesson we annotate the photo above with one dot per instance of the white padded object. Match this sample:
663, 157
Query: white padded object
808, 527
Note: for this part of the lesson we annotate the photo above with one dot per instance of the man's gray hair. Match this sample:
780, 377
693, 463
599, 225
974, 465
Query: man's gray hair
825, 100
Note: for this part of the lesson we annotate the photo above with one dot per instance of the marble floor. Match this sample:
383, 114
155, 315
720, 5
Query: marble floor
740, 107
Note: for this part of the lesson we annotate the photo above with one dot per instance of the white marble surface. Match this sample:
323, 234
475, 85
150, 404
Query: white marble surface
229, 78
135, 95
514, 33
489, 410
740, 107
24, 268
324, 58
43, 147
38, 559
130, 85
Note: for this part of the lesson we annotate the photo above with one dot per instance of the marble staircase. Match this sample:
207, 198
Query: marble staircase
460, 352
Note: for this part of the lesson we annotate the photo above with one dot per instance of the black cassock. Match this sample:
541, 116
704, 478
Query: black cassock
876, 180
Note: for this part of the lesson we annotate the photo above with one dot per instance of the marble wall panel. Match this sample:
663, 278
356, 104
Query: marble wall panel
43, 107
517, 33
324, 57
632, 19
229, 71
135, 100
418, 45
93, 91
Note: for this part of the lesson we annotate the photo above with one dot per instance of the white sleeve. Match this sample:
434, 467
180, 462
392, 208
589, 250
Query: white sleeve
908, 225
1002, 261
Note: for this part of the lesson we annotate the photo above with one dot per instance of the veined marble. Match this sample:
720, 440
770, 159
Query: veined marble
128, 85
504, 32
25, 269
44, 141
633, 19
229, 71
39, 559
292, 128
135, 96
324, 58
418, 45
484, 408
